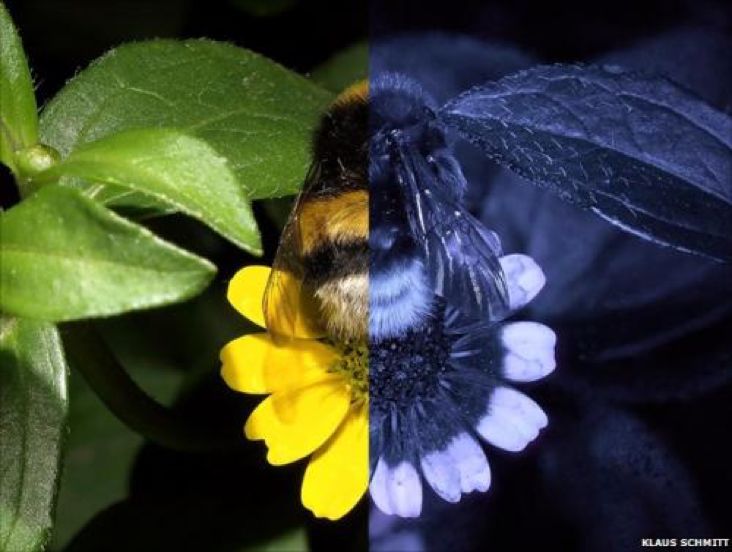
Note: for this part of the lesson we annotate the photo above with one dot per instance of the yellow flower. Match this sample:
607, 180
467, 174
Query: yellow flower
317, 404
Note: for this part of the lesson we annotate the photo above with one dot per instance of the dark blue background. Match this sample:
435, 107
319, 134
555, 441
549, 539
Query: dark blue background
641, 404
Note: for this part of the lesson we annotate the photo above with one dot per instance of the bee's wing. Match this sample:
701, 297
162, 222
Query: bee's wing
462, 256
289, 306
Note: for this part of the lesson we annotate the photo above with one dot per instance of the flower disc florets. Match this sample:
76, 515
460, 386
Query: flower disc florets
408, 368
353, 364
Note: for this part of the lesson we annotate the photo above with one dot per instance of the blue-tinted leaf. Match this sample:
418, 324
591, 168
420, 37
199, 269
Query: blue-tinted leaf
603, 284
639, 151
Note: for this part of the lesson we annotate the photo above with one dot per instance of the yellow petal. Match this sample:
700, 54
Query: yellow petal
291, 310
246, 292
295, 422
255, 364
337, 476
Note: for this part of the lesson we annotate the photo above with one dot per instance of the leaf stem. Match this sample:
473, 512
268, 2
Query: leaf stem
32, 162
89, 354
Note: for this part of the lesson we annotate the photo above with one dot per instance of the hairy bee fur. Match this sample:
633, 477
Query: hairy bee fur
333, 217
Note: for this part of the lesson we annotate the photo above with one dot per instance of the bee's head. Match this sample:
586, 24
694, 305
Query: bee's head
400, 110
404, 122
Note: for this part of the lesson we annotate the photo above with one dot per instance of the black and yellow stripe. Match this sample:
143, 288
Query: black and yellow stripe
326, 240
333, 219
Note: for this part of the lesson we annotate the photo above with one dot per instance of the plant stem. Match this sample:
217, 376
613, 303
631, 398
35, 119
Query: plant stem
89, 354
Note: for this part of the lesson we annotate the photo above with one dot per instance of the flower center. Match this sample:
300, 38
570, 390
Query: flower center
354, 366
408, 368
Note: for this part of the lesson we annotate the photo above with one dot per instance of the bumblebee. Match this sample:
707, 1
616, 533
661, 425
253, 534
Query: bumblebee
379, 232
425, 246
319, 280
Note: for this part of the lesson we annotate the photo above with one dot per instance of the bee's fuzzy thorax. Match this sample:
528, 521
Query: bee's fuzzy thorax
340, 145
356, 93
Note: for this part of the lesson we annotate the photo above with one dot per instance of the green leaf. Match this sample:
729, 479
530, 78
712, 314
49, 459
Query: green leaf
33, 405
100, 450
344, 68
18, 114
179, 170
65, 257
253, 112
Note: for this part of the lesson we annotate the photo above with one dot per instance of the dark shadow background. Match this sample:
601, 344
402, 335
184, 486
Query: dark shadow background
567, 30
616, 463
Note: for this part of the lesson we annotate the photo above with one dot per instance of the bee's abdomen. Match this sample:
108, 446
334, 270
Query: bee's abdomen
338, 272
333, 260
335, 257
